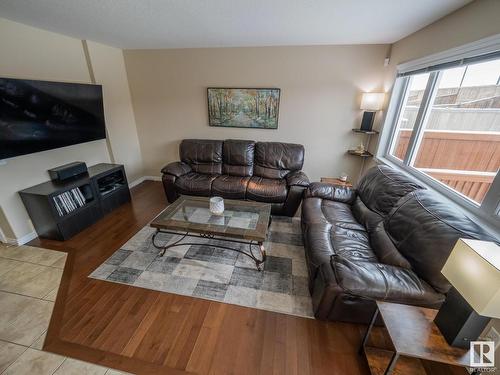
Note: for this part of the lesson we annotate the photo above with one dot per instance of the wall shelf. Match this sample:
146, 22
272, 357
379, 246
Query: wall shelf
365, 154
371, 132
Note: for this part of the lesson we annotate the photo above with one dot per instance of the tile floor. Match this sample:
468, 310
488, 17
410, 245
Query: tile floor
29, 280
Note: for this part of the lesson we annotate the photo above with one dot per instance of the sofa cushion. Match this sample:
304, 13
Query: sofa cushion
382, 186
368, 218
385, 249
384, 282
340, 214
312, 211
177, 169
203, 155
318, 242
351, 244
329, 228
323, 240
424, 227
317, 210
231, 187
238, 157
297, 178
331, 192
195, 184
267, 190
276, 160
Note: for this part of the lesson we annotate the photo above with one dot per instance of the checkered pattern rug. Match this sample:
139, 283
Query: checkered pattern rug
204, 271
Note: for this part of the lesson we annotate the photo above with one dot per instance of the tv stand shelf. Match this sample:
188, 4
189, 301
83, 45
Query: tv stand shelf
59, 210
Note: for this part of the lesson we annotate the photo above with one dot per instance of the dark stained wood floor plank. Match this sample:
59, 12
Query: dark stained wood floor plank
144, 326
201, 359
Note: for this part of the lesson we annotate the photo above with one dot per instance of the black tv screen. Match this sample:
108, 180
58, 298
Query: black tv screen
39, 115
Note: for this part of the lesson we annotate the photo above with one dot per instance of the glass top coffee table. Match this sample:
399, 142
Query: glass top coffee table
243, 222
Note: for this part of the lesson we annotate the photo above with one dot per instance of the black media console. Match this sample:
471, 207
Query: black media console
59, 210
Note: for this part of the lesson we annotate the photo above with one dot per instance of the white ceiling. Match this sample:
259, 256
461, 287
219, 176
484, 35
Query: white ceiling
229, 23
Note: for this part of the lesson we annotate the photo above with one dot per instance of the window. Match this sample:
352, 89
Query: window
410, 108
445, 129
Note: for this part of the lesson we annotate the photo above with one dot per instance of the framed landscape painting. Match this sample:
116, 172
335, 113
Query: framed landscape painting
243, 108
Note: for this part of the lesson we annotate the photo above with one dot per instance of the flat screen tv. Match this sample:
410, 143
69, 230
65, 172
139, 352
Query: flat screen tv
39, 115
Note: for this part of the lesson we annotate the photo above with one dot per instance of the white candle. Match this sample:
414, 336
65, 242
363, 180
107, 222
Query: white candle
217, 205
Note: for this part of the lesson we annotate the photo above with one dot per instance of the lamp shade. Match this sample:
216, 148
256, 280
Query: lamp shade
473, 268
372, 101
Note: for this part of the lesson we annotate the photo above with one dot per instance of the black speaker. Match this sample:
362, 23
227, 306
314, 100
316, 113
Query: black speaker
367, 120
67, 171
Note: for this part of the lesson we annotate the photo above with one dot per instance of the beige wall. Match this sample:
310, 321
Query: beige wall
475, 21
32, 53
320, 93
109, 70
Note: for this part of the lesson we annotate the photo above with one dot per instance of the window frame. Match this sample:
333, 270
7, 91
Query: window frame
489, 210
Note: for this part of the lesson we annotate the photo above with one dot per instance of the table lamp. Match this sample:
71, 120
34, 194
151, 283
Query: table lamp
473, 269
371, 102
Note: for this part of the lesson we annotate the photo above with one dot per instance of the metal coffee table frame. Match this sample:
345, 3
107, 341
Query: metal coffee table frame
225, 235
258, 261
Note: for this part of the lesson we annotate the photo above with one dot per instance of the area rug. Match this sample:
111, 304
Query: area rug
205, 271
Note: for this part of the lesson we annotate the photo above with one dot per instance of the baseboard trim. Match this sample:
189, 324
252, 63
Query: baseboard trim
153, 178
142, 179
22, 240
136, 182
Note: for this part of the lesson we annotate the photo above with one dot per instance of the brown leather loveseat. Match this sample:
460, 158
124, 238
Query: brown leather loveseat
386, 240
239, 169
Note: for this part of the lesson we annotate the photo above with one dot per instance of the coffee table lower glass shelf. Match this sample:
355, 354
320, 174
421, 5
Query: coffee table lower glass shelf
242, 223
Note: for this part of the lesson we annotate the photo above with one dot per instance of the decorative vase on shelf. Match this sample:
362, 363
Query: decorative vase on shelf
217, 205
360, 149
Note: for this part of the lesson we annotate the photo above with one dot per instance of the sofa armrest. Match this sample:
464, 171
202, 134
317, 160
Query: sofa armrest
380, 281
176, 169
297, 178
337, 193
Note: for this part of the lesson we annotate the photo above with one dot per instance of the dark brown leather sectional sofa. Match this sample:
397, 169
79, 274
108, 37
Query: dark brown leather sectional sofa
387, 240
239, 169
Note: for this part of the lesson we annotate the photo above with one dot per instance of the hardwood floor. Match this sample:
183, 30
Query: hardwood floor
149, 332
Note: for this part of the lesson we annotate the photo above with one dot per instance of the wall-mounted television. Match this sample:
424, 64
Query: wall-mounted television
40, 115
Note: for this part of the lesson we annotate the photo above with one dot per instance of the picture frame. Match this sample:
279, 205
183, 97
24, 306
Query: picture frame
252, 108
